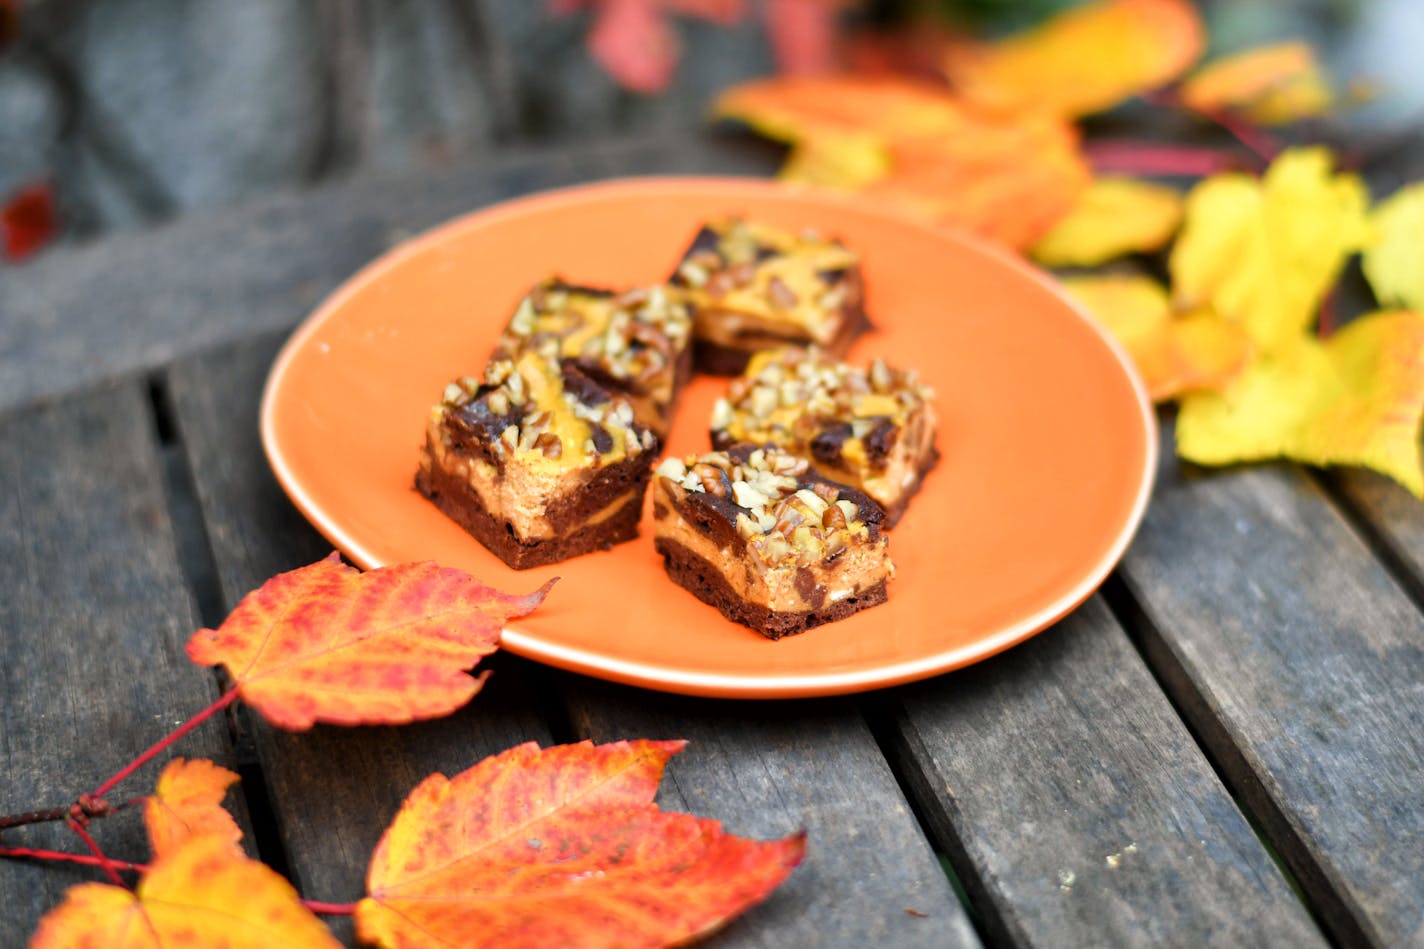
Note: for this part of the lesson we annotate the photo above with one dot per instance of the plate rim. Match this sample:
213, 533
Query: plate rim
680, 681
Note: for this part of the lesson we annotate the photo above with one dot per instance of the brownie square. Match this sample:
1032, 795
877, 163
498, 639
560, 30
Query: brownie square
751, 286
537, 461
872, 428
768, 542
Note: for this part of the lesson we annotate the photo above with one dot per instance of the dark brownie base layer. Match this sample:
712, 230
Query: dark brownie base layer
718, 359
706, 582
458, 501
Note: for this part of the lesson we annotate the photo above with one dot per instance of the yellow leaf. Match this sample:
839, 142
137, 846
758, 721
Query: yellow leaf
1173, 354
1356, 399
199, 896
1394, 262
914, 145
845, 161
1272, 85
1084, 60
1263, 253
187, 802
1113, 217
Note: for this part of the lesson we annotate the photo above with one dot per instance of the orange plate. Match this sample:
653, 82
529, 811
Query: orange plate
1047, 440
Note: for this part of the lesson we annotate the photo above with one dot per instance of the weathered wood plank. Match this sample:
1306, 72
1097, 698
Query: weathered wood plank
333, 790
1394, 520
136, 301
94, 612
1076, 807
1300, 662
767, 769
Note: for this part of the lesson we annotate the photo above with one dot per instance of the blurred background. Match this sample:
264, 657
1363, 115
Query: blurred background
126, 112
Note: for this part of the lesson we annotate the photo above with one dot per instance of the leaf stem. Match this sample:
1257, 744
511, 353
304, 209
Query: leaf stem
33, 817
59, 856
110, 868
1261, 142
330, 909
1145, 158
85, 808
223, 701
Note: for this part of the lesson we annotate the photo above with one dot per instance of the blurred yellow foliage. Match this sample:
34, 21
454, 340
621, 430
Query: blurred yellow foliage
1112, 217
1173, 354
1273, 85
1355, 399
1084, 60
1264, 252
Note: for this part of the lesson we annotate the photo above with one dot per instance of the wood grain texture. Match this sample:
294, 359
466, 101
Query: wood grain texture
767, 769
1300, 662
1392, 518
1076, 806
94, 613
136, 301
333, 790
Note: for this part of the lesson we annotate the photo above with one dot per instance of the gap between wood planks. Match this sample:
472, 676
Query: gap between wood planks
199, 566
953, 859
1210, 736
1374, 539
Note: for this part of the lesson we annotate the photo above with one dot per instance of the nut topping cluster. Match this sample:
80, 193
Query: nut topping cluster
632, 336
529, 415
784, 518
791, 276
789, 396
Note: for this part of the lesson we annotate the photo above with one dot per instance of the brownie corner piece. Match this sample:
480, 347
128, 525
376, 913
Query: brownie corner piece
771, 544
751, 286
536, 461
871, 428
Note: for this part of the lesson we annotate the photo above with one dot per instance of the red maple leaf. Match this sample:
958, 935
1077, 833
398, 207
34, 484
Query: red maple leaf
633, 40
327, 643
28, 220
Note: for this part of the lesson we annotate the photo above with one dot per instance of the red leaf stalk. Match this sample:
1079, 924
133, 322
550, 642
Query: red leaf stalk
111, 869
86, 807
1142, 158
33, 817
1261, 142
226, 699
330, 909
59, 856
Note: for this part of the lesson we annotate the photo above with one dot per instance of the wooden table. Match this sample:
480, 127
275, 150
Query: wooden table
1223, 746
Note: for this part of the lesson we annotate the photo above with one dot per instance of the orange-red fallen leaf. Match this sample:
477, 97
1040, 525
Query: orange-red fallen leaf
1086, 59
1355, 399
635, 44
803, 34
560, 847
634, 41
1173, 354
199, 896
915, 145
28, 221
1112, 217
327, 643
1272, 84
187, 802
